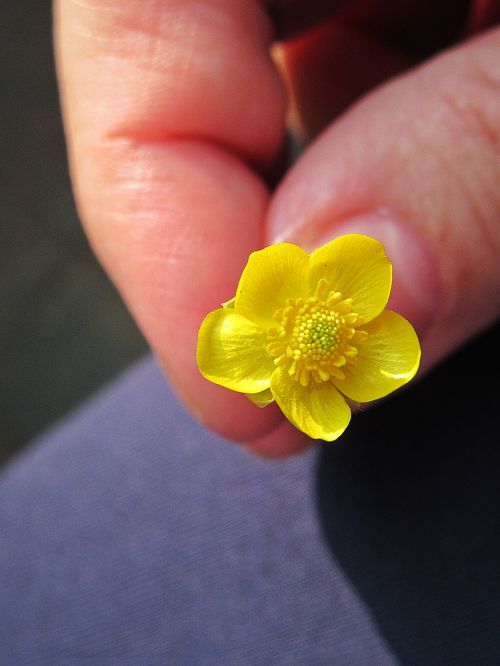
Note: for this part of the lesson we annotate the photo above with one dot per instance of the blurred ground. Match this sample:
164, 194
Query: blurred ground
63, 329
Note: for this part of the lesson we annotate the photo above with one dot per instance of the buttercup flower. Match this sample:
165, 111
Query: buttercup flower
310, 331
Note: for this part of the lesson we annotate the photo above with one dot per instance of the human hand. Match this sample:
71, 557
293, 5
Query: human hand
175, 116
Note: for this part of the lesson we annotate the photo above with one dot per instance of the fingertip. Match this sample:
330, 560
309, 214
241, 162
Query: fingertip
415, 292
283, 441
229, 414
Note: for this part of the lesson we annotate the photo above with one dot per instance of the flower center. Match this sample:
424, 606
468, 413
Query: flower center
316, 337
316, 332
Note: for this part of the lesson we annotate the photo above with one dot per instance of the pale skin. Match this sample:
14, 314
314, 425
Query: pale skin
175, 114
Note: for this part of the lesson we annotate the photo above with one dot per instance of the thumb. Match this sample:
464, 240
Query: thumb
416, 164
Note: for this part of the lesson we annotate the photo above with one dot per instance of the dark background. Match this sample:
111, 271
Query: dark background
63, 329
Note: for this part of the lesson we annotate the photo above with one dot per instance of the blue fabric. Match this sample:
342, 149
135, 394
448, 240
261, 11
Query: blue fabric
130, 535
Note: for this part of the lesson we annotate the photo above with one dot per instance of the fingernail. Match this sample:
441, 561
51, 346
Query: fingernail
415, 283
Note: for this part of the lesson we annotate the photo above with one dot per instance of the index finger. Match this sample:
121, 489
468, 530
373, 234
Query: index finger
165, 103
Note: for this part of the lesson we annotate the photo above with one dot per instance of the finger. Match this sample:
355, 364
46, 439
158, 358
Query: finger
415, 164
329, 67
483, 14
141, 70
165, 103
409, 25
295, 16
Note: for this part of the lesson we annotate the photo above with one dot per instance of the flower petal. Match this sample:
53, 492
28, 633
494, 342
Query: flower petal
317, 409
262, 399
232, 352
271, 276
356, 266
387, 359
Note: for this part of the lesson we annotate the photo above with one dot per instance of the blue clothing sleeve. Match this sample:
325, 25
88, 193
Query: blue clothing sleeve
130, 535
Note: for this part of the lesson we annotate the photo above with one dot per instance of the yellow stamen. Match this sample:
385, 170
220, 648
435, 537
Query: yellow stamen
316, 337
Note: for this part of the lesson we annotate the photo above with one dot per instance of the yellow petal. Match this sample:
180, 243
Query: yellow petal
232, 352
357, 267
271, 276
262, 399
317, 409
229, 303
387, 359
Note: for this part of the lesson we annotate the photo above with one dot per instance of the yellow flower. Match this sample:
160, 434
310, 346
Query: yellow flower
310, 331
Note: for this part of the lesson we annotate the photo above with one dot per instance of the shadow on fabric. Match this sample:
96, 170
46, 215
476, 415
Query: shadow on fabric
409, 502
